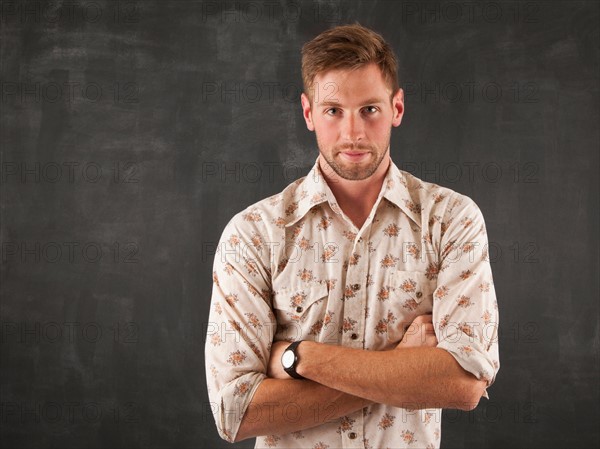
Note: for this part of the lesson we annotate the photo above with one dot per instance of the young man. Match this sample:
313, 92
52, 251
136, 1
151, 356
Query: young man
350, 308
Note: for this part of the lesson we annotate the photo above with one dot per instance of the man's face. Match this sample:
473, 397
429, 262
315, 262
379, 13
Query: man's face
352, 116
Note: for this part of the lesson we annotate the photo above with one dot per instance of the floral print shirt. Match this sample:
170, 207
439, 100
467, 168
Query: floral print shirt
293, 266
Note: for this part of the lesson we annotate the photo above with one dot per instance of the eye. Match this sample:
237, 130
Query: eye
332, 111
371, 109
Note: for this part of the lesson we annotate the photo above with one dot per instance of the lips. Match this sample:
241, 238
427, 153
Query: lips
354, 156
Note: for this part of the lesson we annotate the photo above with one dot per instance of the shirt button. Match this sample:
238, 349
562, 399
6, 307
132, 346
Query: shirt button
352, 435
419, 294
354, 336
355, 287
299, 309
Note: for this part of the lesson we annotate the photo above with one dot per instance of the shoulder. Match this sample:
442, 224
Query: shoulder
437, 200
271, 214
445, 213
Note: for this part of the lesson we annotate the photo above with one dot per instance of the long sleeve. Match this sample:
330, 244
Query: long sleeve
241, 324
465, 311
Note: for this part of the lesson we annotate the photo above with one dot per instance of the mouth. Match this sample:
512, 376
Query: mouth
354, 156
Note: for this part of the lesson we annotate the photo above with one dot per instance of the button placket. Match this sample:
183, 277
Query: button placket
354, 306
354, 438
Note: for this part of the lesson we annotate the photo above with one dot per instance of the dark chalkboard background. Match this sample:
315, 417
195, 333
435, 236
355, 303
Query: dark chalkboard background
131, 132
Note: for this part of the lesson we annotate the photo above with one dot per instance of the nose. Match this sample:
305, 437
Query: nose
353, 128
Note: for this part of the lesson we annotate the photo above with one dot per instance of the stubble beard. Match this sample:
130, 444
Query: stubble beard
353, 171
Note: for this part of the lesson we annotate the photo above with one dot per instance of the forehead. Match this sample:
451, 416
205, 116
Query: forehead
350, 86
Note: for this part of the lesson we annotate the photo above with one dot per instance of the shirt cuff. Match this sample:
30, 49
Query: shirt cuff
231, 403
471, 356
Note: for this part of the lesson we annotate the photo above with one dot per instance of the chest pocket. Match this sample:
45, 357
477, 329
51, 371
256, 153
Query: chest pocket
407, 295
300, 311
414, 291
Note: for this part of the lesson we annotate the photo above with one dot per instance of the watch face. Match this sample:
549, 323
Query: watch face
287, 359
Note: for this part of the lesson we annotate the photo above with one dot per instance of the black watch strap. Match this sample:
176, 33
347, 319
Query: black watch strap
292, 370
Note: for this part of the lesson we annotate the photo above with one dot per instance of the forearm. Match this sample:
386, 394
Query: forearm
269, 411
416, 378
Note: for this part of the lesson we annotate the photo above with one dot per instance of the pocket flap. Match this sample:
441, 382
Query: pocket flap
414, 284
297, 300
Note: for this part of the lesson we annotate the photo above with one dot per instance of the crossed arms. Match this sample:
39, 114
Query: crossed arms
342, 380
244, 373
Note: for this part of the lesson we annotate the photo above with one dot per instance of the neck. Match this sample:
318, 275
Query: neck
355, 198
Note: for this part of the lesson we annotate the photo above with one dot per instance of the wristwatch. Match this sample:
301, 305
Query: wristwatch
289, 360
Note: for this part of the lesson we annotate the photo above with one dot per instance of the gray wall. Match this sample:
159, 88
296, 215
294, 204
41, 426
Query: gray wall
131, 132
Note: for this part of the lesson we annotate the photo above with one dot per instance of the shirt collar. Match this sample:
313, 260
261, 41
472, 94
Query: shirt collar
313, 190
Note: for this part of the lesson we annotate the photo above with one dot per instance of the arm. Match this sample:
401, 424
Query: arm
238, 349
465, 312
423, 377
240, 325
314, 403
415, 375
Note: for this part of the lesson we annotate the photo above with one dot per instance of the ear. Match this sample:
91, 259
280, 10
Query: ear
307, 112
398, 107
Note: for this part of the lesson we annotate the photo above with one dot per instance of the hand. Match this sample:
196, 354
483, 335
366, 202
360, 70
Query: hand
419, 333
275, 369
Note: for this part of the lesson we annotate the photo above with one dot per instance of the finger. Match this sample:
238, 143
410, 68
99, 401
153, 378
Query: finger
431, 341
413, 328
424, 328
429, 329
427, 318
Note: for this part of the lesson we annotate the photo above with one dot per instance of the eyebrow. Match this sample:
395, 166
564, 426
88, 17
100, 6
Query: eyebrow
369, 101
